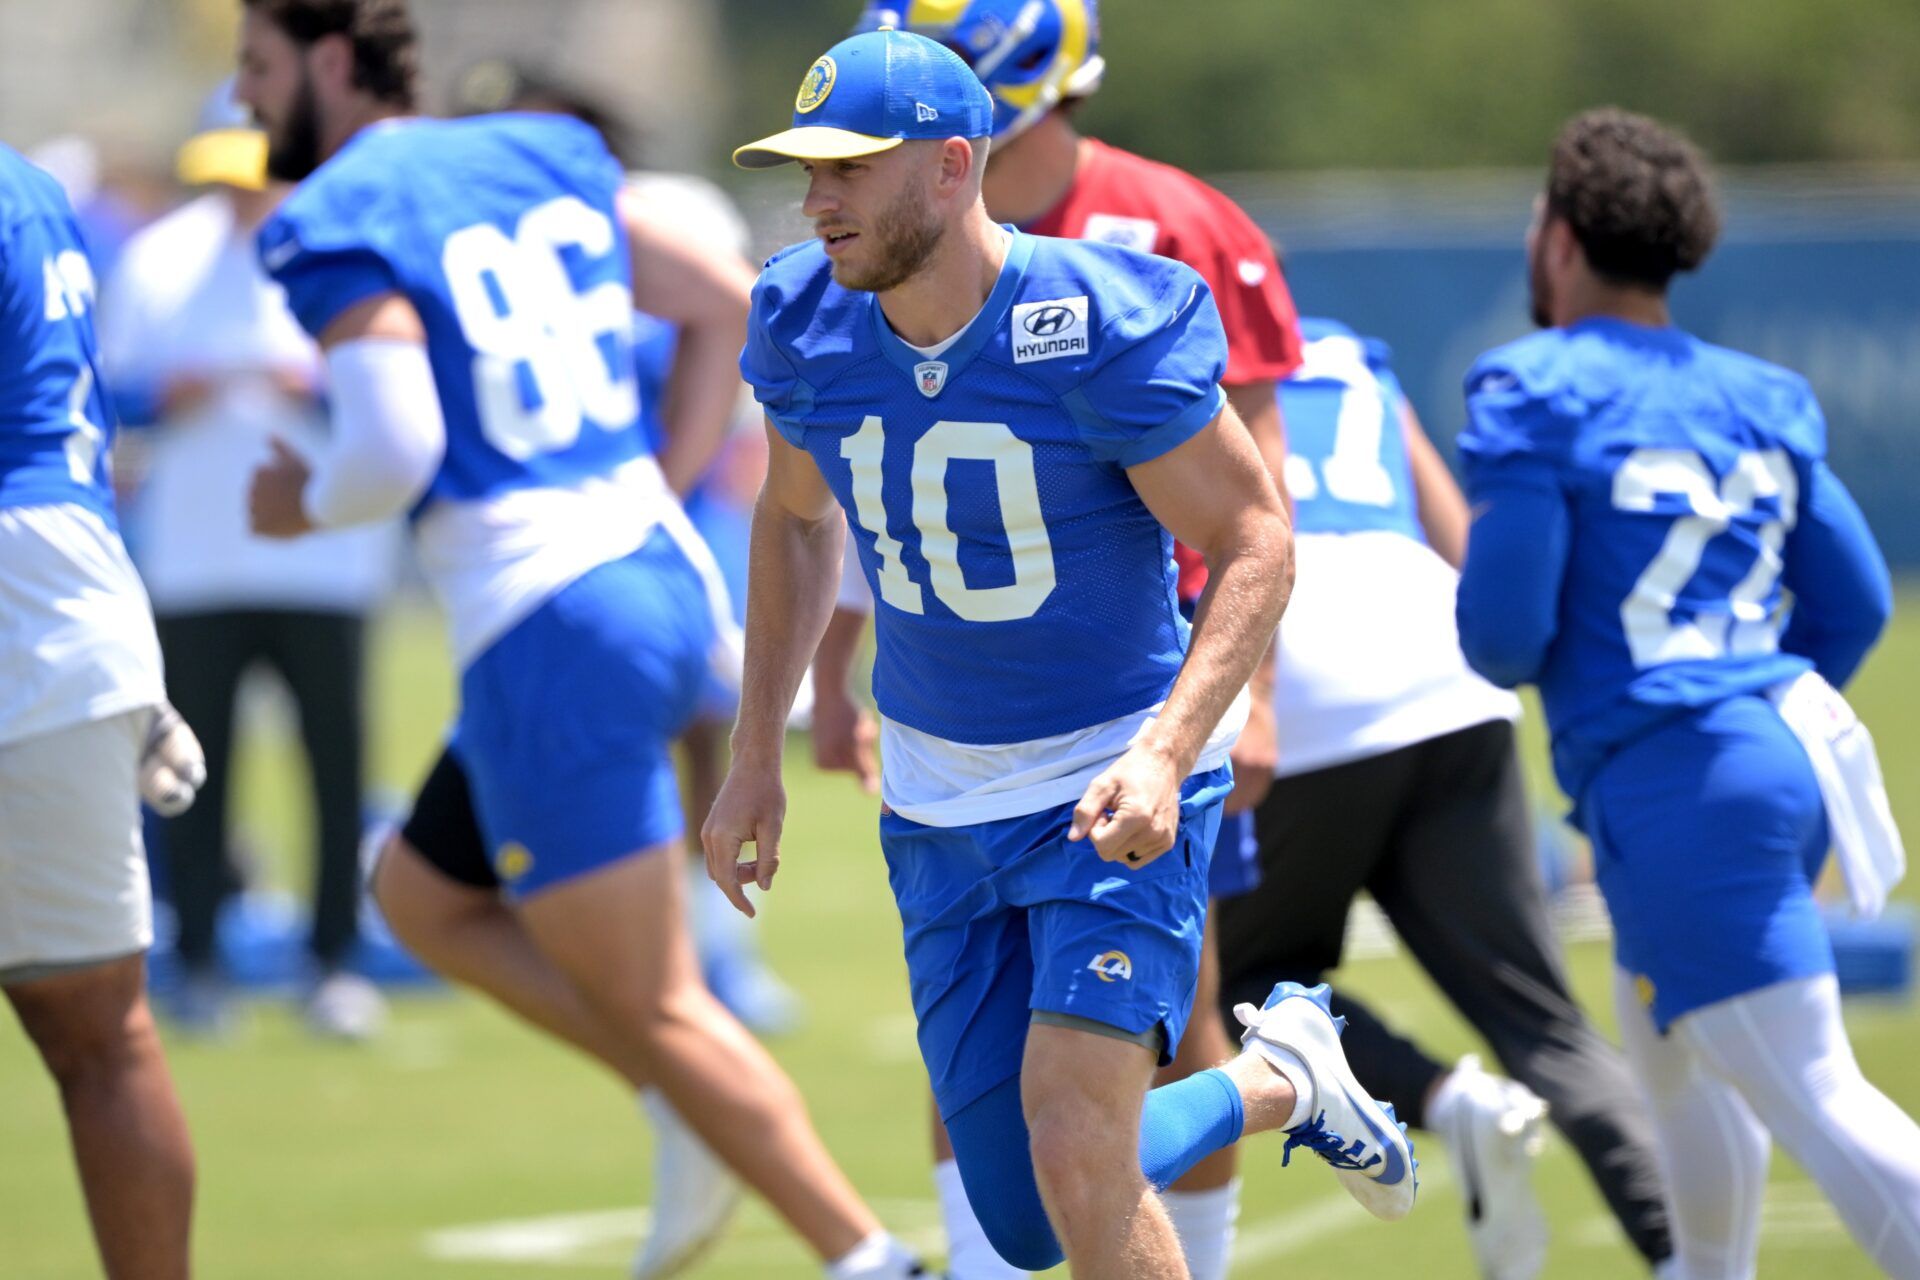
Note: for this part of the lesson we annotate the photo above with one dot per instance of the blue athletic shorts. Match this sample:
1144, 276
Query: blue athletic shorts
1236, 857
566, 720
1005, 919
1708, 833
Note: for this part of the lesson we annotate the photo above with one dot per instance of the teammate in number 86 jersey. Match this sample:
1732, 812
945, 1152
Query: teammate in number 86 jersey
473, 286
504, 235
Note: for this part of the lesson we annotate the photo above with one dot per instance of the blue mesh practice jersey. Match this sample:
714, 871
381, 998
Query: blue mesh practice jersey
1691, 487
1347, 466
501, 230
55, 427
1021, 587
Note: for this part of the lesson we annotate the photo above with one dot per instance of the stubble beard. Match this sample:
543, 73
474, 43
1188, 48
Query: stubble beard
905, 236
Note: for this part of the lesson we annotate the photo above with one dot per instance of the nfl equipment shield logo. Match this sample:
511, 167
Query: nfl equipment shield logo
930, 376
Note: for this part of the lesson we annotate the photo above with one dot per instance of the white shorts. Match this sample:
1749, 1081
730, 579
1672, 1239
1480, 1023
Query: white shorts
73, 869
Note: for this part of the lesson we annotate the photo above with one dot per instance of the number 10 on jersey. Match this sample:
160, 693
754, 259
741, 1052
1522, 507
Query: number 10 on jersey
1028, 545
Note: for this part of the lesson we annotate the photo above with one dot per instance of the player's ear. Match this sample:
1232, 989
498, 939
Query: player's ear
958, 165
330, 62
1562, 246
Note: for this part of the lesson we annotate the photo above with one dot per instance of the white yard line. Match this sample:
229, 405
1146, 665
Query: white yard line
1335, 1213
606, 1236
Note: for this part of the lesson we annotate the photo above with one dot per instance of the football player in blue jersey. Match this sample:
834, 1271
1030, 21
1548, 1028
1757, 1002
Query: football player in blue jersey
472, 283
1645, 503
1401, 777
1013, 425
85, 735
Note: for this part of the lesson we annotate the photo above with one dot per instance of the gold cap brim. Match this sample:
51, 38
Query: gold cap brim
810, 142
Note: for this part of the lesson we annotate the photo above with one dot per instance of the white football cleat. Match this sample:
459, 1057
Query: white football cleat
1493, 1127
694, 1195
1362, 1139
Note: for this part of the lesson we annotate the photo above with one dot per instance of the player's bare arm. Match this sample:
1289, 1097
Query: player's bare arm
1214, 494
278, 501
1257, 751
794, 566
1443, 508
704, 288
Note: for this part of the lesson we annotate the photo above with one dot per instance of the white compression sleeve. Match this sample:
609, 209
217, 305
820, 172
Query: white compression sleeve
1713, 1151
1785, 1049
388, 433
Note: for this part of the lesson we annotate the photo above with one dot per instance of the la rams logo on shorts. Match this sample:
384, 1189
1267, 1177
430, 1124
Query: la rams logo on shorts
513, 861
1111, 966
816, 85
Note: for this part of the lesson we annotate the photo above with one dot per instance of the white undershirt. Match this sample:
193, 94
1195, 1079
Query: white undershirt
935, 351
954, 784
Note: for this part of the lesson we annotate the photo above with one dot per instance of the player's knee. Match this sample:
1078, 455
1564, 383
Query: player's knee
1023, 1239
88, 1027
1074, 1156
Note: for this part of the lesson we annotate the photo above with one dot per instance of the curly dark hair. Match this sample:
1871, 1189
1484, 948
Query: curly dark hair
386, 57
1636, 195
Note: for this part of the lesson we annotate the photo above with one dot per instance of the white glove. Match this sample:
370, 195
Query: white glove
172, 766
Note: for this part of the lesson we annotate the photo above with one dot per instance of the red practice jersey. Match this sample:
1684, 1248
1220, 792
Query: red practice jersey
1121, 198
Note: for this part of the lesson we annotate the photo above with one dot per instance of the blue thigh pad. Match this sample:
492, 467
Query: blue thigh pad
566, 720
1708, 833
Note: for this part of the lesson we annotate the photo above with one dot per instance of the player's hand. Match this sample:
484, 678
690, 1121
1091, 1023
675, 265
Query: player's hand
750, 809
844, 736
275, 502
172, 766
1131, 811
1255, 753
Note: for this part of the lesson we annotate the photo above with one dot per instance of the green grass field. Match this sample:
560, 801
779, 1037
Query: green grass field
462, 1147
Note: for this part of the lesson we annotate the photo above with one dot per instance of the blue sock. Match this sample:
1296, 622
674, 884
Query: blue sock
1185, 1122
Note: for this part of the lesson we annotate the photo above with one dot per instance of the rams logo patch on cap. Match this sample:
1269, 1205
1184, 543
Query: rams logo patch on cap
816, 85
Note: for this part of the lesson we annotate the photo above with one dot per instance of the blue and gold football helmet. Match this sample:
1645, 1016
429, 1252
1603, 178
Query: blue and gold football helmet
1031, 54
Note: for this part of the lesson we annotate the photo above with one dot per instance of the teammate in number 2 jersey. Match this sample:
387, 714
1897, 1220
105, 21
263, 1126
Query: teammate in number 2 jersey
1011, 425
470, 281
1643, 498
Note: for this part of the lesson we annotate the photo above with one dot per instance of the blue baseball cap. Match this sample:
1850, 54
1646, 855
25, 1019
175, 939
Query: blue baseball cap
872, 92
